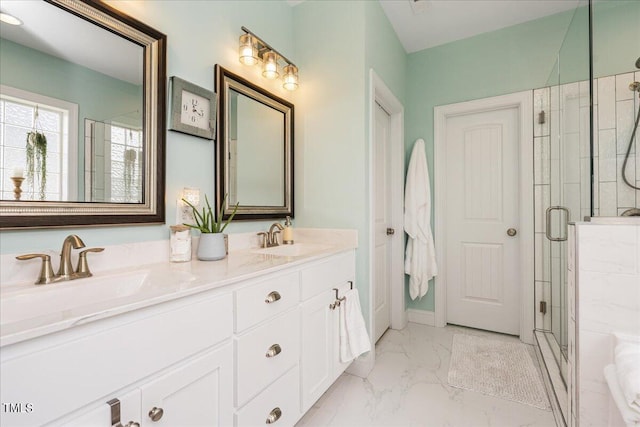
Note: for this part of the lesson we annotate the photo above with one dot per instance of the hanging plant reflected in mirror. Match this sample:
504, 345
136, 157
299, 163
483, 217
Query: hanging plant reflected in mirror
37, 158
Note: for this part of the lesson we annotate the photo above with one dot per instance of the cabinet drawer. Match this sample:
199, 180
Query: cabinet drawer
254, 369
283, 395
327, 274
93, 366
265, 299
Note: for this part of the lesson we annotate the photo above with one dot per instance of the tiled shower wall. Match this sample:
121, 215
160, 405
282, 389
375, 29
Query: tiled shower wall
562, 170
617, 109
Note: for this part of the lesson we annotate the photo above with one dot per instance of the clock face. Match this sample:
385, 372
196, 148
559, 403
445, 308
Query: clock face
195, 110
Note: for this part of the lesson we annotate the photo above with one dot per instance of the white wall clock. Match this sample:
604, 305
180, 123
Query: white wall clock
193, 109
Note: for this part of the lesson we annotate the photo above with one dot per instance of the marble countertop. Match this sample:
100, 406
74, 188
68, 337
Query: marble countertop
29, 311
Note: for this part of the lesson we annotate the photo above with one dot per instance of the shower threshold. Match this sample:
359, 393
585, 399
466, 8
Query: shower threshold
556, 387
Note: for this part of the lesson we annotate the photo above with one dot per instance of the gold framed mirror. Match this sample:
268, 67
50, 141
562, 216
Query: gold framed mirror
95, 93
255, 149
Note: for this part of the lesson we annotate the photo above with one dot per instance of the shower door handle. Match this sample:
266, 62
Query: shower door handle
566, 223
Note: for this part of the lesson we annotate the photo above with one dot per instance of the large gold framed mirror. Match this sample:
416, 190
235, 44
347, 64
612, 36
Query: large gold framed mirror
82, 94
255, 150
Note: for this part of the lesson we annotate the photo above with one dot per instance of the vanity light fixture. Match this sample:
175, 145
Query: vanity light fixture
254, 50
9, 19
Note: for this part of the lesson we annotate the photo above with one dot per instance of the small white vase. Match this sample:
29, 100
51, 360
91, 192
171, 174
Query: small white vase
211, 247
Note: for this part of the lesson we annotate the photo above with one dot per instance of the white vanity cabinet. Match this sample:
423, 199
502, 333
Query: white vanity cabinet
267, 350
192, 394
259, 351
161, 352
320, 359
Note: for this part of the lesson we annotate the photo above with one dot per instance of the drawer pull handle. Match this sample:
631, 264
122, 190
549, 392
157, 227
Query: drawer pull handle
272, 297
156, 413
274, 415
273, 351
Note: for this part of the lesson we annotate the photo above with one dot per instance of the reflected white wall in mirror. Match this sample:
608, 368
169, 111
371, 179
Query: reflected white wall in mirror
256, 152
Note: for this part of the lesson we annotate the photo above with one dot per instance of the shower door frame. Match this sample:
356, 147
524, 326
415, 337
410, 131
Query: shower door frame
524, 102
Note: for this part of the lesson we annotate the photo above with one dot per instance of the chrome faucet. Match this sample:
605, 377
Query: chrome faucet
270, 238
65, 271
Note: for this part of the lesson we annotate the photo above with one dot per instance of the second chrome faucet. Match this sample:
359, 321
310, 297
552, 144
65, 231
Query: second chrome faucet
65, 270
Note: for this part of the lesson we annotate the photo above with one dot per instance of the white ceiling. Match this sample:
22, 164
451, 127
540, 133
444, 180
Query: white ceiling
421, 24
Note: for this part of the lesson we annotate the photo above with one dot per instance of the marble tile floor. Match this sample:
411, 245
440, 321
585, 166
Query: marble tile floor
408, 387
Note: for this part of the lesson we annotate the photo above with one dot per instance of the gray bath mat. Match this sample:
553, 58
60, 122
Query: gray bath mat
496, 368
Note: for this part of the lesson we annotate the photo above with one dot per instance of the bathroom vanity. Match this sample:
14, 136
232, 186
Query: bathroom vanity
248, 340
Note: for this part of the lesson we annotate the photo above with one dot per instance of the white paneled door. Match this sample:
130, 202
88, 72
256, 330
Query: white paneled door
382, 259
482, 248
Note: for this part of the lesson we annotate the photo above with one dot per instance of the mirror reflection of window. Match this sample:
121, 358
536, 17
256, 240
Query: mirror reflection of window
22, 112
114, 162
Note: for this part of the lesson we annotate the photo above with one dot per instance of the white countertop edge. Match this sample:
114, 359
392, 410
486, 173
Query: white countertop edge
23, 330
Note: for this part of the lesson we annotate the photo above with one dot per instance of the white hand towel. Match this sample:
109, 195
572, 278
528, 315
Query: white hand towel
627, 362
345, 349
354, 339
420, 257
630, 417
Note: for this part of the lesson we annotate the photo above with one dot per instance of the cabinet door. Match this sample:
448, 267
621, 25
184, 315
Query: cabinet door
198, 393
318, 335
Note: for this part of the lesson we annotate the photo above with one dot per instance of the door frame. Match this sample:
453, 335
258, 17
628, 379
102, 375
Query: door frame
523, 101
381, 94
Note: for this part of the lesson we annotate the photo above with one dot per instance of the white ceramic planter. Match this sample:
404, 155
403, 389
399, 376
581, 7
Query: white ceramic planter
211, 247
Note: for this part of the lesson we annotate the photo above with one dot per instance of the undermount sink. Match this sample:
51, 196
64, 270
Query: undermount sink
295, 250
61, 297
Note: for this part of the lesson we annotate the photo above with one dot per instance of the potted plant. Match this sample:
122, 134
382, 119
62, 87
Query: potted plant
37, 160
211, 246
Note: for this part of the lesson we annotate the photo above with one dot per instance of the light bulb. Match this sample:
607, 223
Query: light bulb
248, 50
270, 65
290, 79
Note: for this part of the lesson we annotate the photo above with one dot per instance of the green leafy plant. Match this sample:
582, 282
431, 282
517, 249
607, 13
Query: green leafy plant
205, 221
37, 160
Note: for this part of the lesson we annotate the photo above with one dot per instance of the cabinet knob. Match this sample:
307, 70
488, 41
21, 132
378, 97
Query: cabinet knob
274, 416
274, 350
132, 424
272, 297
156, 413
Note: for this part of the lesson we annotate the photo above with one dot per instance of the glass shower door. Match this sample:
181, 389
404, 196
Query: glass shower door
564, 183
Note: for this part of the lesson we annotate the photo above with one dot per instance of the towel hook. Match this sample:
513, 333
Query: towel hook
339, 299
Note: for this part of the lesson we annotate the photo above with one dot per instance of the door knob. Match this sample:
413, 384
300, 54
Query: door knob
512, 232
391, 231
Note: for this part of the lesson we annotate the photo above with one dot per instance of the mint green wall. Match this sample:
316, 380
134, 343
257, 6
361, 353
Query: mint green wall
200, 34
98, 96
384, 52
509, 60
513, 59
616, 36
330, 151
336, 44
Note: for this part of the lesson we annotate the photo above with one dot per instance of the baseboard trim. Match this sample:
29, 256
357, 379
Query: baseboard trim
422, 317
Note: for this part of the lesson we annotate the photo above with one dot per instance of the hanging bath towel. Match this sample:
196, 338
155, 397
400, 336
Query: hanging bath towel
420, 258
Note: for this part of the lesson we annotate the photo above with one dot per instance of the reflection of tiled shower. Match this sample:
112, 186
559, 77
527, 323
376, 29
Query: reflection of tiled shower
562, 177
